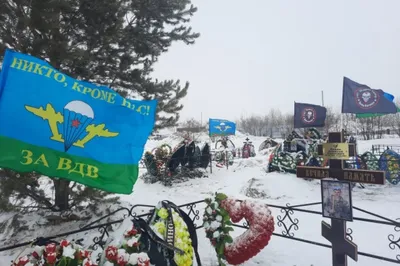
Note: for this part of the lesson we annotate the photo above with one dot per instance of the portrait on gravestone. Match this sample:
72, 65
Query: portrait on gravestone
336, 200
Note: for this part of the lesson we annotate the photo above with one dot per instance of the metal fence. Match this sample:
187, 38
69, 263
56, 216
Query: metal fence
286, 222
380, 148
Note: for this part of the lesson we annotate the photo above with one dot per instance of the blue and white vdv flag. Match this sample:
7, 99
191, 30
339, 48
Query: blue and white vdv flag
221, 127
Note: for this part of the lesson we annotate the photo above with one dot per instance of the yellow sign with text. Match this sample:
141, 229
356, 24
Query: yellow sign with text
336, 151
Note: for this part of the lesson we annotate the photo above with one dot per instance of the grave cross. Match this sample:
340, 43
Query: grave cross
336, 169
341, 246
336, 150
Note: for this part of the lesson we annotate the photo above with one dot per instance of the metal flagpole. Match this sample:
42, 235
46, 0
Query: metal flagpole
341, 122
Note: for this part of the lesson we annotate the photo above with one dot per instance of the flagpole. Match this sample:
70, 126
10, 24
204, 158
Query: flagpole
341, 122
322, 97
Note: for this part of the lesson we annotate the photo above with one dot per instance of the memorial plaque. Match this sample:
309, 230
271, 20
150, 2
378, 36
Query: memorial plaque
337, 151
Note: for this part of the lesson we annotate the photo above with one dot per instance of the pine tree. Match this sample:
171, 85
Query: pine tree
108, 42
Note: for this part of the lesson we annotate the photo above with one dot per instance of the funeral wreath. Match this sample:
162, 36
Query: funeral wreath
219, 214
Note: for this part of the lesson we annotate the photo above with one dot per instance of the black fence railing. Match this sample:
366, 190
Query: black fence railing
380, 148
285, 221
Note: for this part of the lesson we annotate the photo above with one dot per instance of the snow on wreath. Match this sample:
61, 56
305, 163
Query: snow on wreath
219, 214
145, 243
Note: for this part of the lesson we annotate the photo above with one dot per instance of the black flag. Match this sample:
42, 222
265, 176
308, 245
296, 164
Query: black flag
361, 99
309, 115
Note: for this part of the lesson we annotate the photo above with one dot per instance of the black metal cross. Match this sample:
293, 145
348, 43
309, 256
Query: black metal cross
341, 246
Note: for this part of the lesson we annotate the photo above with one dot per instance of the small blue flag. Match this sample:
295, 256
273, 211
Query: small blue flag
63, 127
221, 127
388, 96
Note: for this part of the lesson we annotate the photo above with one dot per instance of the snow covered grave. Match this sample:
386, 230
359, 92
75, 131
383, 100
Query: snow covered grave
297, 238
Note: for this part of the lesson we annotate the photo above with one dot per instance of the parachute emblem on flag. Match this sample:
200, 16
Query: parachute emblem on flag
222, 127
77, 116
76, 123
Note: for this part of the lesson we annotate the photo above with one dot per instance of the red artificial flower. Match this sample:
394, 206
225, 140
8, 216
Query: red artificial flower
112, 253
51, 258
35, 255
143, 262
22, 261
83, 254
89, 263
132, 232
121, 261
64, 243
51, 248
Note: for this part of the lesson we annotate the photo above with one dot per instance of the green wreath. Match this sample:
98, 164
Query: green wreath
162, 152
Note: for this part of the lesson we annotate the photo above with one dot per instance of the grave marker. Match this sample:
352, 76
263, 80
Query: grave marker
341, 246
336, 169
336, 150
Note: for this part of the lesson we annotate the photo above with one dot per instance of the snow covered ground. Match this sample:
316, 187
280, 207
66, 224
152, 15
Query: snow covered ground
279, 189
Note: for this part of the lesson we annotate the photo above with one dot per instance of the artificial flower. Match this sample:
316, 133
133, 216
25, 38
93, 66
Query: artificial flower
182, 236
22, 261
132, 232
51, 257
111, 253
160, 227
52, 254
64, 243
123, 256
162, 213
88, 262
82, 254
50, 248
69, 252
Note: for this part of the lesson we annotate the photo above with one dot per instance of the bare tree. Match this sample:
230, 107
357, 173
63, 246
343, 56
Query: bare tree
191, 123
254, 125
394, 121
332, 121
275, 122
288, 122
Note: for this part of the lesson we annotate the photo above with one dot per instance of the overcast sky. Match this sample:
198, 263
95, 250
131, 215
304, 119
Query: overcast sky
255, 55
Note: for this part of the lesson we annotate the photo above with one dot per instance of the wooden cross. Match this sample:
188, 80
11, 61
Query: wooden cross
336, 150
341, 246
336, 166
